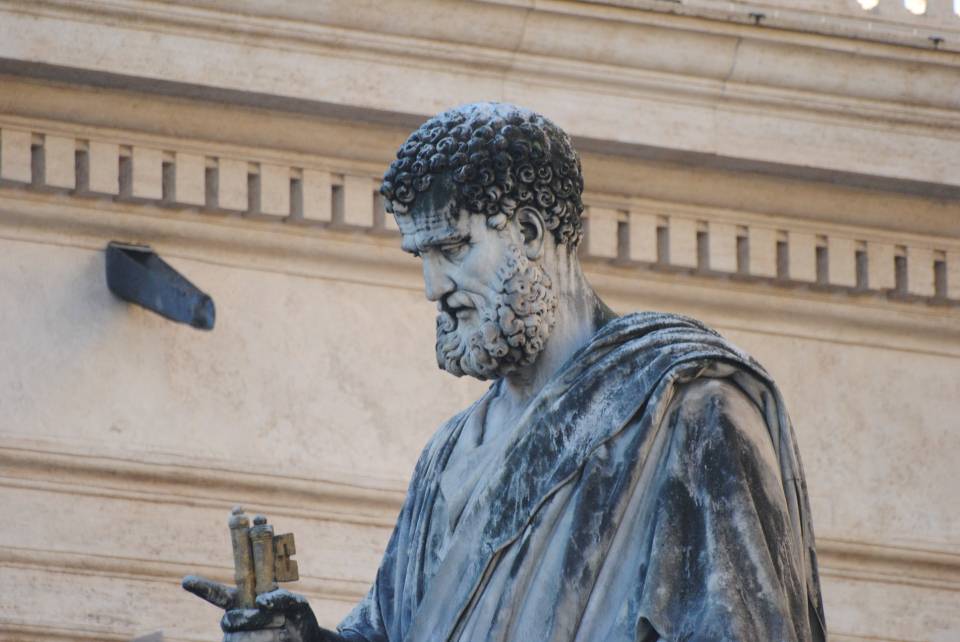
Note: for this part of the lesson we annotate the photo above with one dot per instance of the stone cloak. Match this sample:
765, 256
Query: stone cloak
613, 517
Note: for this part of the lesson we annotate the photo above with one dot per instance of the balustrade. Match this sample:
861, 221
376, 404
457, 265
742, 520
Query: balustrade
629, 233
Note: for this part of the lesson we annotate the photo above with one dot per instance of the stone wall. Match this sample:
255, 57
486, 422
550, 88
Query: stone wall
794, 188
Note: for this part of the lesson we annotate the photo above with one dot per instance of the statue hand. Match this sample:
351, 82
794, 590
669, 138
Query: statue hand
280, 616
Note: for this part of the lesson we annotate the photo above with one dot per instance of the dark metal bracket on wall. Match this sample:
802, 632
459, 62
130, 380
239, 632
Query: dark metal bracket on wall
136, 274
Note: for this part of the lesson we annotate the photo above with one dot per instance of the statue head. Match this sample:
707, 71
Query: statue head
482, 193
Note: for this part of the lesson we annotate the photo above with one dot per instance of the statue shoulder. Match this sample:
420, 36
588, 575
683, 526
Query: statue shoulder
710, 414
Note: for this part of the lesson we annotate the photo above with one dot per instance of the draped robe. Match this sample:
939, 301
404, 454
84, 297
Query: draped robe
652, 490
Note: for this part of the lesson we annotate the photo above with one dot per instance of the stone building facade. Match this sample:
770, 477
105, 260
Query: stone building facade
788, 172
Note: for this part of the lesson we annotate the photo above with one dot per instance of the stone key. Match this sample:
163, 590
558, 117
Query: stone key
260, 558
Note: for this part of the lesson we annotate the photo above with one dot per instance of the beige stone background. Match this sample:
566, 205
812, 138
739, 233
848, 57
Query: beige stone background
788, 172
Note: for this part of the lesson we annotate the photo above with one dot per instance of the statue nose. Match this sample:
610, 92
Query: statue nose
436, 282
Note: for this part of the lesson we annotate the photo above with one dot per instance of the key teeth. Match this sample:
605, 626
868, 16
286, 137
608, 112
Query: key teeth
285, 568
290, 572
285, 545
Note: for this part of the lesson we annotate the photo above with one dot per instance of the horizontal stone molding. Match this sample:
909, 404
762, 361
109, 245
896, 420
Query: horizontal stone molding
94, 470
735, 103
357, 255
310, 191
60, 566
146, 477
905, 565
34, 631
889, 21
166, 572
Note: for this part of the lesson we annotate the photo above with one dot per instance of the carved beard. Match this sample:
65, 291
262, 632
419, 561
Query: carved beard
512, 332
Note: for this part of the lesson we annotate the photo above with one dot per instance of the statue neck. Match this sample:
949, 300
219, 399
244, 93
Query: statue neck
580, 313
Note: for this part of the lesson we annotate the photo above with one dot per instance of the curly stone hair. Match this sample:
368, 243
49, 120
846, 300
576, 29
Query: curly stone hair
500, 158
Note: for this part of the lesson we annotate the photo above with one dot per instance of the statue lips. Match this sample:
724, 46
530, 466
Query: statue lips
458, 305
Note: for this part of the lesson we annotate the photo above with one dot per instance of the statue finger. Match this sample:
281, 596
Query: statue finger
281, 601
213, 592
236, 620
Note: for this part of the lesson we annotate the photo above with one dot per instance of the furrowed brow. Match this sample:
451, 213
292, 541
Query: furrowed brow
424, 240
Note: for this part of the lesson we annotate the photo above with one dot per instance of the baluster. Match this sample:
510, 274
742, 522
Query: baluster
953, 274
358, 200
189, 178
939, 10
842, 257
232, 184
762, 251
317, 195
103, 160
920, 271
893, 10
147, 176
802, 256
722, 246
642, 236
274, 189
601, 234
60, 161
881, 272
15, 161
682, 240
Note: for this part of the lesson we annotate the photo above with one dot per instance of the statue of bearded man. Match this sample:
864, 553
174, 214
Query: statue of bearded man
631, 478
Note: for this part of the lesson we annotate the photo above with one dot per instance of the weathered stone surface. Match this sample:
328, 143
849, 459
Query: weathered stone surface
861, 373
623, 477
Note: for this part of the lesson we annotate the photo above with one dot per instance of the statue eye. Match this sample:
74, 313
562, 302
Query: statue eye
454, 251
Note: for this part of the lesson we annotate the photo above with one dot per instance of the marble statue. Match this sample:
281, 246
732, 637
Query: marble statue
623, 478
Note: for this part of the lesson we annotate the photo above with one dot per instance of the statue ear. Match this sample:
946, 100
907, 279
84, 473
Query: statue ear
532, 229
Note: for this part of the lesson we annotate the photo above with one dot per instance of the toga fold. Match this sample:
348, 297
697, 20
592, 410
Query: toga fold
652, 490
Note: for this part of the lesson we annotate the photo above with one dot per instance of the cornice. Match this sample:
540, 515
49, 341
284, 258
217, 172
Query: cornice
348, 29
393, 66
272, 135
712, 79
890, 24
354, 244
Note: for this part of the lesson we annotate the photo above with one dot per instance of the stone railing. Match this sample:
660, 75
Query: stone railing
785, 252
187, 178
928, 23
705, 242
915, 12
